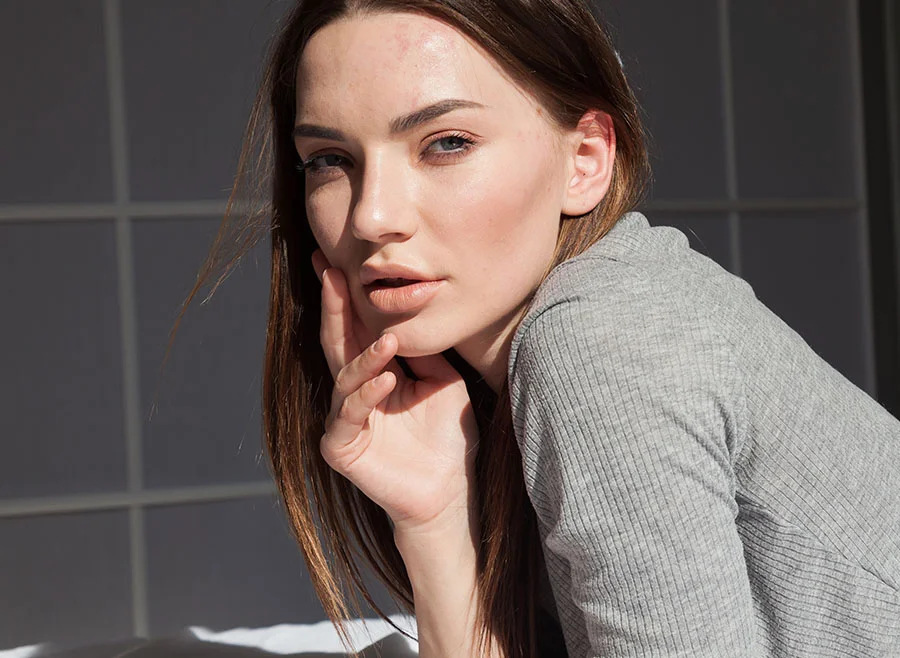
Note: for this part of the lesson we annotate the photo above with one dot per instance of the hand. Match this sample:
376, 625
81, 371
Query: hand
408, 445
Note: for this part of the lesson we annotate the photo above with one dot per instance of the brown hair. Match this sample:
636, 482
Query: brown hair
557, 50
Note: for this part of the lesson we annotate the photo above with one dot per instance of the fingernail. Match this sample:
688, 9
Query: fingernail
322, 275
379, 344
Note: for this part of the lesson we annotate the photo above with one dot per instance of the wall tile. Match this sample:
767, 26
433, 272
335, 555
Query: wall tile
806, 268
55, 128
227, 564
206, 426
65, 579
671, 56
61, 407
187, 102
794, 98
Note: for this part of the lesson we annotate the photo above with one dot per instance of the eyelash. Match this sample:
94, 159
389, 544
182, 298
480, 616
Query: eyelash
306, 167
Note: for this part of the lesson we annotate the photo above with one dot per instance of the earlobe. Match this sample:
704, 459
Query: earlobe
592, 155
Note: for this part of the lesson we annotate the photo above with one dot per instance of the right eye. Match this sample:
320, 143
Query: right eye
320, 163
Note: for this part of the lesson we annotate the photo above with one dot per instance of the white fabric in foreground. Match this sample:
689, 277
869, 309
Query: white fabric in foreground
21, 652
322, 636
372, 637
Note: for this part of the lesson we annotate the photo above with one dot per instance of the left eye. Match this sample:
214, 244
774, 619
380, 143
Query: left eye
460, 142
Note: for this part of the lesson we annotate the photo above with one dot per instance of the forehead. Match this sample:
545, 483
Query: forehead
394, 63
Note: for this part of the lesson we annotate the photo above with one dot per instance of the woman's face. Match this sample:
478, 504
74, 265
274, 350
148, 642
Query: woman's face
470, 197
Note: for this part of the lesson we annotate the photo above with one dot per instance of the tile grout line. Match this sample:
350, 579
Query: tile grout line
87, 211
862, 212
731, 181
128, 313
893, 99
893, 62
206, 209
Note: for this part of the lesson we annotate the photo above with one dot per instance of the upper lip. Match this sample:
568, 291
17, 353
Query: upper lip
370, 273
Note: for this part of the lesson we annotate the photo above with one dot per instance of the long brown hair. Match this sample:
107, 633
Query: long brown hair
557, 50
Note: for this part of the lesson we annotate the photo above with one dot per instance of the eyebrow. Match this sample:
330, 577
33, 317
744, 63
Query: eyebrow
398, 125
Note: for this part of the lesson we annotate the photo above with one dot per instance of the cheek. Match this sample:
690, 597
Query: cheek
509, 202
325, 213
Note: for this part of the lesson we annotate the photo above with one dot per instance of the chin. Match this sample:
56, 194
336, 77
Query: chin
413, 342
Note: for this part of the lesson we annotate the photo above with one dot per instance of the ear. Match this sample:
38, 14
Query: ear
590, 156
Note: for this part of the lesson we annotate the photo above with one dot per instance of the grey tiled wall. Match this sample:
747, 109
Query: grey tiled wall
118, 142
754, 109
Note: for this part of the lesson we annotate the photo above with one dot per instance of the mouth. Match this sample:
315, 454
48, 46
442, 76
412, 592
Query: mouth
392, 283
397, 295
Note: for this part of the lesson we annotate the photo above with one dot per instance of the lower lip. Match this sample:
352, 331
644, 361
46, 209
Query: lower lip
402, 299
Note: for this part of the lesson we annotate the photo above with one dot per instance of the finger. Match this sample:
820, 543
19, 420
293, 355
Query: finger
350, 418
336, 332
365, 337
320, 263
363, 368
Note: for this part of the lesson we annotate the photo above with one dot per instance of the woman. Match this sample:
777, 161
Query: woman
545, 425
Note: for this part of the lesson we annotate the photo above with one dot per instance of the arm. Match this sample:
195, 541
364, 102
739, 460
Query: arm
442, 569
627, 409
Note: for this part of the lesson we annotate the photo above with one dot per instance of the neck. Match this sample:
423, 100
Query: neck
488, 352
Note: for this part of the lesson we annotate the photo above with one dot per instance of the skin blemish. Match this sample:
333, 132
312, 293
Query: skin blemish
401, 39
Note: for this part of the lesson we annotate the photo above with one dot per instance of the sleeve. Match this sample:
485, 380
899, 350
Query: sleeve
626, 415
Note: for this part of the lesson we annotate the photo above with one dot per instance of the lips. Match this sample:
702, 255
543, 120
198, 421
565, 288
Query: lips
393, 282
408, 298
391, 274
396, 288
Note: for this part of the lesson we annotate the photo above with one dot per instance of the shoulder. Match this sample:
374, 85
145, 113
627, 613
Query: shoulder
607, 307
629, 369
612, 358
640, 298
617, 337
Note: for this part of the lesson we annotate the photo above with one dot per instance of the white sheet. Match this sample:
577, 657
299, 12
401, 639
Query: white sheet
322, 636
283, 639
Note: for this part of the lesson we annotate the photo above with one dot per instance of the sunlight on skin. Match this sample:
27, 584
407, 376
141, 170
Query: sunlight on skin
482, 216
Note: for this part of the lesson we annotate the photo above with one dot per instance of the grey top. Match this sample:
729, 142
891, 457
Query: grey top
706, 484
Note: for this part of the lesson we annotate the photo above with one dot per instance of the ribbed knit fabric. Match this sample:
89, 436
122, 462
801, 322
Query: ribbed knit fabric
706, 484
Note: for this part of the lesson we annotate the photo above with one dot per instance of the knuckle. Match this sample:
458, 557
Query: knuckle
336, 399
369, 389
326, 450
340, 382
345, 409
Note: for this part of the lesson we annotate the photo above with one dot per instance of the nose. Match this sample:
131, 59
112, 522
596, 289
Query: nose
384, 211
